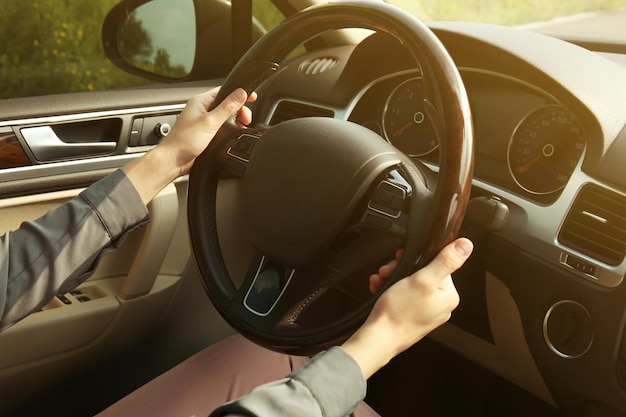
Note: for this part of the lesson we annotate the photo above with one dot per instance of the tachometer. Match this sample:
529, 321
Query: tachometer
545, 149
405, 122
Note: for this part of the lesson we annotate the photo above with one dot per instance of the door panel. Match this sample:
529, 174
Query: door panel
68, 117
127, 298
115, 310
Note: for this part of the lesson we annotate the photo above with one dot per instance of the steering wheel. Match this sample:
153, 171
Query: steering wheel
326, 201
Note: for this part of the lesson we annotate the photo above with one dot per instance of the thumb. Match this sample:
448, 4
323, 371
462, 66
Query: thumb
229, 106
449, 259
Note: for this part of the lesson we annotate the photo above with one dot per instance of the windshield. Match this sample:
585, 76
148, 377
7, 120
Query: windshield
576, 19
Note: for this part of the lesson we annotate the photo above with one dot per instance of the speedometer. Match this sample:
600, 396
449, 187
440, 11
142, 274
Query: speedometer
405, 122
545, 149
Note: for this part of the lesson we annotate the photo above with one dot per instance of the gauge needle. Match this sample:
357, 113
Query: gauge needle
402, 129
529, 164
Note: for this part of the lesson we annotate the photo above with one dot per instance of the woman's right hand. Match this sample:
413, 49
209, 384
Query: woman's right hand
409, 309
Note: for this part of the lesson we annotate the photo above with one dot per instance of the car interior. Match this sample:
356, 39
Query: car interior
512, 137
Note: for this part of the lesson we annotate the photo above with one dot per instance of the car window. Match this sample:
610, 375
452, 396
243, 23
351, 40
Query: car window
58, 46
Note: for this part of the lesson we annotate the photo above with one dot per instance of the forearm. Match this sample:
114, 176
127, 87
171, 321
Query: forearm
330, 384
152, 172
58, 251
372, 348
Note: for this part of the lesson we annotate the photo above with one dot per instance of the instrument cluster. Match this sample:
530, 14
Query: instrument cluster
525, 140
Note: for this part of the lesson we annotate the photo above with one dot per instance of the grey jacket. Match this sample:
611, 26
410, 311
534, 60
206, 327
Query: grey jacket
329, 384
57, 252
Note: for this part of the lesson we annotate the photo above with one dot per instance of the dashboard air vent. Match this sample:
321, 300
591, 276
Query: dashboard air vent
287, 110
317, 65
596, 225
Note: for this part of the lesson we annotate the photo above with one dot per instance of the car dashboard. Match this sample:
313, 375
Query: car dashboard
542, 301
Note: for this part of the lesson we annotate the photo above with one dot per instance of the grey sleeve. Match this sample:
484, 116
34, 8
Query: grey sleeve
55, 253
330, 385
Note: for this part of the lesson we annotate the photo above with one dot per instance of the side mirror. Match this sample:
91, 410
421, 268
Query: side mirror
172, 40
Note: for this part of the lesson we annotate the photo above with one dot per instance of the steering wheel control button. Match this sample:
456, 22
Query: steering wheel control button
243, 147
388, 199
568, 329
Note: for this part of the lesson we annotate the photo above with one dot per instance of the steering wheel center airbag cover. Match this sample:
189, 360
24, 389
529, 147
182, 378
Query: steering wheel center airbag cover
303, 180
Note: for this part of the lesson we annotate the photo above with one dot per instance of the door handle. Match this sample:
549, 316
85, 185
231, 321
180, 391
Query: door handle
47, 146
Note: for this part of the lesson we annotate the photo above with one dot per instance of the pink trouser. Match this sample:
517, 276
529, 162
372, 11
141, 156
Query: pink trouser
218, 374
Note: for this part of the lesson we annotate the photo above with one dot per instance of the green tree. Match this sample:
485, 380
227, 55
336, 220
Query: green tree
55, 47
135, 43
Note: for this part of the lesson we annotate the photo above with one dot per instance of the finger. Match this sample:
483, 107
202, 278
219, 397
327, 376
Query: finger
244, 116
213, 91
230, 105
204, 100
386, 270
449, 259
375, 282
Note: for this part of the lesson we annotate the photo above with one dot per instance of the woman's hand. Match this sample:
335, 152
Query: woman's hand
384, 272
191, 134
196, 126
409, 309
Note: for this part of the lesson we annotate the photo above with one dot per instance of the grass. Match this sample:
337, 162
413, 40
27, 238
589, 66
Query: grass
504, 12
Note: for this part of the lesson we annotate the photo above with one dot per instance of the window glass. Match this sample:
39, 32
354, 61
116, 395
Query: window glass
266, 14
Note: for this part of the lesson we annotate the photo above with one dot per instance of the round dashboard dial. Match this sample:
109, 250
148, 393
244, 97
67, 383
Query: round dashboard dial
545, 148
405, 122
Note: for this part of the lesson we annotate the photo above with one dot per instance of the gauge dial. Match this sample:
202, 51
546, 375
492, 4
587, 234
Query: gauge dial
545, 149
405, 123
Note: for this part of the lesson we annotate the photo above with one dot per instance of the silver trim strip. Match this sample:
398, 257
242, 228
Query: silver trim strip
547, 338
90, 115
595, 217
256, 275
